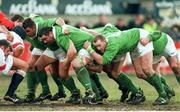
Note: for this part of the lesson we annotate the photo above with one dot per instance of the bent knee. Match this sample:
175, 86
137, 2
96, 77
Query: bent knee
24, 66
115, 73
140, 74
37, 67
148, 70
77, 64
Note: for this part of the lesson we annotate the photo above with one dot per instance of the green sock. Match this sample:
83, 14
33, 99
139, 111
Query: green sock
32, 83
58, 83
84, 78
95, 78
69, 84
176, 71
121, 86
155, 81
167, 88
164, 82
124, 80
178, 79
42, 76
95, 89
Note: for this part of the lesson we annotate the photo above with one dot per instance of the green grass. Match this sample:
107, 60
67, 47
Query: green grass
112, 103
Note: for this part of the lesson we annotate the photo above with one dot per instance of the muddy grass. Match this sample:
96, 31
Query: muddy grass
106, 106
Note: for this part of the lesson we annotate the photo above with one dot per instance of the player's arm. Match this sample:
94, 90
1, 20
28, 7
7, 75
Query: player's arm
107, 57
5, 21
5, 63
91, 31
153, 36
65, 42
72, 52
4, 30
48, 23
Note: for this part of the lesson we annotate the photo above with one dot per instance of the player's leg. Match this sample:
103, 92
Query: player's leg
94, 76
62, 71
103, 93
175, 66
137, 95
172, 57
53, 69
21, 67
153, 78
45, 59
125, 91
170, 92
32, 80
142, 58
83, 75
42, 77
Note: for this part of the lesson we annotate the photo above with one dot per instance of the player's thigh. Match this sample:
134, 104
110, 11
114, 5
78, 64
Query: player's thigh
156, 67
35, 54
147, 62
20, 64
64, 69
82, 59
54, 68
117, 67
43, 61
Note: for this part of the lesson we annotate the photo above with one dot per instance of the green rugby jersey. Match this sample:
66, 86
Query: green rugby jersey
77, 36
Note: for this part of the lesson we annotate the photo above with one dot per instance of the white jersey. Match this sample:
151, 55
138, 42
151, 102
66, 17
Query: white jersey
17, 41
5, 63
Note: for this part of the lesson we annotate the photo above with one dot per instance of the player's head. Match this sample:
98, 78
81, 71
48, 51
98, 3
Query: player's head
30, 27
46, 35
17, 19
5, 46
100, 43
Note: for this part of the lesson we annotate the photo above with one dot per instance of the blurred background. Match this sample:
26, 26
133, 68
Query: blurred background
149, 14
163, 15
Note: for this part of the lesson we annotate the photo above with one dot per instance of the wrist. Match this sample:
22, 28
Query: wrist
90, 49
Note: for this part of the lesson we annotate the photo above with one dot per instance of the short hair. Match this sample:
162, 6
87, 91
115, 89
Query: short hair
17, 17
45, 31
99, 37
28, 23
5, 43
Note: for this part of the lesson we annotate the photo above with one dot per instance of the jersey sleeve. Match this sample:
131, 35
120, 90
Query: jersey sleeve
63, 41
154, 35
5, 63
107, 29
110, 28
2, 60
46, 23
5, 21
110, 52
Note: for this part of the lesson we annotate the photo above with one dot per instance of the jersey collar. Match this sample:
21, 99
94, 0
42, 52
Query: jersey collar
36, 34
54, 32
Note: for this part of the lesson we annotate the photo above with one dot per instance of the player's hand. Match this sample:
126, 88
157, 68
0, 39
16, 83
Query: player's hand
10, 37
17, 23
83, 28
87, 44
144, 41
66, 31
60, 21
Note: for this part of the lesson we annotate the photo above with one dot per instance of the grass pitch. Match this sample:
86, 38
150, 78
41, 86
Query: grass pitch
111, 104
